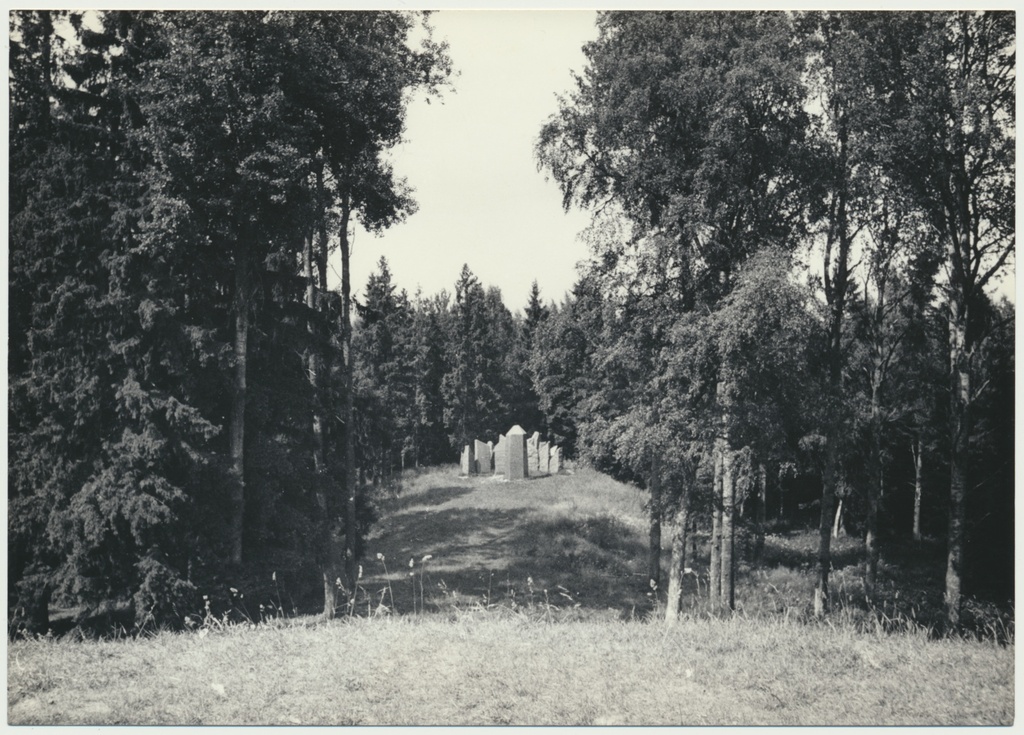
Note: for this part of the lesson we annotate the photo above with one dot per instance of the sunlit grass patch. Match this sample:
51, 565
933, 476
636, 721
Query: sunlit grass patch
501, 667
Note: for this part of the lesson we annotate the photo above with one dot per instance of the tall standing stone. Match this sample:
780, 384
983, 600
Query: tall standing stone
468, 464
532, 452
483, 457
500, 456
542, 457
516, 464
555, 462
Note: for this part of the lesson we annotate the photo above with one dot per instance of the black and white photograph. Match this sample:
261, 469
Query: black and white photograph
533, 367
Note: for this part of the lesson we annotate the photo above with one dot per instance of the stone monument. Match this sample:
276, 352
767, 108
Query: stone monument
483, 457
516, 467
500, 456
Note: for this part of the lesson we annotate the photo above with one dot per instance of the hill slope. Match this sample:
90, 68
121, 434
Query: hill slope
580, 537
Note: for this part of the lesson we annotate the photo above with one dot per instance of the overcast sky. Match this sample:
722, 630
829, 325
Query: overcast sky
469, 157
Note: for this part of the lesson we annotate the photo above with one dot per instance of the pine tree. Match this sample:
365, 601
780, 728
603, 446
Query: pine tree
472, 400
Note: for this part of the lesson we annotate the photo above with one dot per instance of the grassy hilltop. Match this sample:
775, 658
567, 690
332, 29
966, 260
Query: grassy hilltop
532, 610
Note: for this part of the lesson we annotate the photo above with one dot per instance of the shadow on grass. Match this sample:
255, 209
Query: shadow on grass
432, 497
799, 550
496, 556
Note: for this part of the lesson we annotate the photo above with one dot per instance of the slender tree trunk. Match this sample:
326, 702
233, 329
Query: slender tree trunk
313, 362
325, 552
654, 558
238, 399
828, 498
674, 602
874, 486
915, 448
321, 225
715, 567
837, 523
760, 511
837, 280
959, 416
782, 500
348, 413
728, 528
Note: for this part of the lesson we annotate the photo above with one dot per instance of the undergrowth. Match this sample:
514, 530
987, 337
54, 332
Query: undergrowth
571, 549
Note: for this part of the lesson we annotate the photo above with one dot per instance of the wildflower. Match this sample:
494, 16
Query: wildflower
233, 590
424, 559
360, 572
380, 556
273, 577
412, 562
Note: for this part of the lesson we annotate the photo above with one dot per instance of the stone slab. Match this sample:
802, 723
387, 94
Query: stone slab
500, 462
516, 463
532, 452
483, 458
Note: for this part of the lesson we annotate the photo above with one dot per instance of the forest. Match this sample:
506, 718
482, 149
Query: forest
792, 309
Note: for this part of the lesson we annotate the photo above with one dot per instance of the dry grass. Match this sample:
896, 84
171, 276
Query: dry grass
482, 669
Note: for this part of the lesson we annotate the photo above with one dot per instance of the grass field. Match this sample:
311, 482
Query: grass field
532, 610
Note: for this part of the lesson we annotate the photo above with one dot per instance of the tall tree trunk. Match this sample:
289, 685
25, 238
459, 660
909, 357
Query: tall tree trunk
674, 601
327, 570
728, 528
654, 558
321, 225
348, 414
836, 281
715, 566
782, 497
828, 498
960, 428
874, 485
916, 449
238, 399
313, 362
761, 510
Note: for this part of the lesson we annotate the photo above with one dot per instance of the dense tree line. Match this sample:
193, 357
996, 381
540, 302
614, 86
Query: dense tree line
717, 151
180, 376
439, 372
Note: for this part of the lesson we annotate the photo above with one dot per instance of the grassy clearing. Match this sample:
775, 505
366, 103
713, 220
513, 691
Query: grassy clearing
534, 609
580, 537
483, 669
